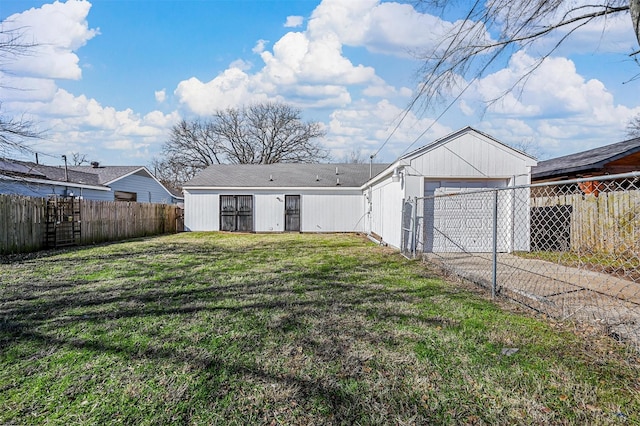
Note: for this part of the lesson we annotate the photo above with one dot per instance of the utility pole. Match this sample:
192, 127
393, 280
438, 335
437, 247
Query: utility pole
66, 170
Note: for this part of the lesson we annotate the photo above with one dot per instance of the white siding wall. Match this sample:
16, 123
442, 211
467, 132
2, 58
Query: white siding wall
386, 212
469, 156
332, 212
268, 212
201, 210
320, 211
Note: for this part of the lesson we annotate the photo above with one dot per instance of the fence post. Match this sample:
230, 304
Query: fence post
494, 282
414, 228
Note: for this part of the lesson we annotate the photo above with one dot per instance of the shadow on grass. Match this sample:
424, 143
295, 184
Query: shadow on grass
271, 311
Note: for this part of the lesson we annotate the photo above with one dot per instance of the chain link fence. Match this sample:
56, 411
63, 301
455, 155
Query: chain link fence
568, 249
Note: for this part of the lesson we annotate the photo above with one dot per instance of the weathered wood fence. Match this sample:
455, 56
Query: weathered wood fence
606, 223
23, 222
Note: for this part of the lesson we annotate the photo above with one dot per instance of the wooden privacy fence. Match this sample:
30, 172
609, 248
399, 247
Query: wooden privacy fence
606, 223
23, 222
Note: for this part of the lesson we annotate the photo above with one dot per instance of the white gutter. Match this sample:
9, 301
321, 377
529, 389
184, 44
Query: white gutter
55, 182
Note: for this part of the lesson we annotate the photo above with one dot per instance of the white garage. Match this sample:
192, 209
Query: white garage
448, 176
460, 215
372, 198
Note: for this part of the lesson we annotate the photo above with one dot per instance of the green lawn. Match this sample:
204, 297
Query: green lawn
204, 328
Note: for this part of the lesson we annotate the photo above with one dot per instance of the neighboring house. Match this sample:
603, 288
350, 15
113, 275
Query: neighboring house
611, 159
351, 197
131, 183
117, 183
37, 180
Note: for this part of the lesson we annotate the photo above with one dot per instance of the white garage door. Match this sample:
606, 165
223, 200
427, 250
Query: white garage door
461, 221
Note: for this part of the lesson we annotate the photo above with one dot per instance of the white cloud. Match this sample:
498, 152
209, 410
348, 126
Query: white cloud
366, 126
294, 21
611, 33
307, 68
554, 89
390, 28
260, 46
558, 107
241, 65
161, 95
56, 30
231, 88
22, 89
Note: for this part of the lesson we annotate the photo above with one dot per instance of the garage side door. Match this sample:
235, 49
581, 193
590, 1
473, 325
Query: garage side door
458, 219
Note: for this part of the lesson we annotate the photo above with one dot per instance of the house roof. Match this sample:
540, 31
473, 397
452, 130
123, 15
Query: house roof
27, 169
108, 174
585, 161
285, 175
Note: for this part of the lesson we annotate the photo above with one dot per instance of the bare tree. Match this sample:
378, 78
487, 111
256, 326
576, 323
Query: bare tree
78, 159
263, 133
172, 174
469, 49
633, 127
14, 132
192, 146
267, 133
529, 147
355, 157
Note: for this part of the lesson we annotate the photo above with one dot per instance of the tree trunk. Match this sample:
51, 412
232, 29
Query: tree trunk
634, 6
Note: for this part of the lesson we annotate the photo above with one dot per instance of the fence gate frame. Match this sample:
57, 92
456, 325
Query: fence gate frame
410, 228
63, 222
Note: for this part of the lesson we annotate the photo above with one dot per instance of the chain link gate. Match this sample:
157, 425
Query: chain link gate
568, 249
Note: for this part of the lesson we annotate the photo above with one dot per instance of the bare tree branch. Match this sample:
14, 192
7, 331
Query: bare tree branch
14, 132
633, 127
263, 133
493, 30
78, 159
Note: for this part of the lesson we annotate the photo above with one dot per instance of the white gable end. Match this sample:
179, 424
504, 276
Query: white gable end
468, 155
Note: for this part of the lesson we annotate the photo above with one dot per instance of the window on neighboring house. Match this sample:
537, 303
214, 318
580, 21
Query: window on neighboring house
125, 196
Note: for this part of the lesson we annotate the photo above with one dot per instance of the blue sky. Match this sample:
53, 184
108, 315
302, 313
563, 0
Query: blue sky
110, 78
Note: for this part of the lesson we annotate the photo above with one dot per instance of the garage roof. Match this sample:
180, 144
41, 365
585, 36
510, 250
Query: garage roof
285, 175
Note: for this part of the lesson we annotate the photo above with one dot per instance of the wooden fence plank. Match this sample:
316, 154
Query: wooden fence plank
23, 227
608, 223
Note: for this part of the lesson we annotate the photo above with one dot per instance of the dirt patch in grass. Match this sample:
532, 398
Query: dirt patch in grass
285, 329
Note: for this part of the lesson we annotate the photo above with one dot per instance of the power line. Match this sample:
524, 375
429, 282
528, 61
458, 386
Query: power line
423, 87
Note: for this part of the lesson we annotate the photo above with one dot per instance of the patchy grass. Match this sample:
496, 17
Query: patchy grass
284, 329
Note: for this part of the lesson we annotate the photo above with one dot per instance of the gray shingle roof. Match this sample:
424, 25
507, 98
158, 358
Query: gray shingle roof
585, 161
285, 175
107, 174
39, 171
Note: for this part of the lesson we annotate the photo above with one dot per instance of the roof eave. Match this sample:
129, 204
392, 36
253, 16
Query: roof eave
56, 182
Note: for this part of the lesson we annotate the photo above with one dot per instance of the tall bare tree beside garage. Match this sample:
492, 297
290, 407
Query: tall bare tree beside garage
263, 133
192, 146
493, 30
14, 132
268, 133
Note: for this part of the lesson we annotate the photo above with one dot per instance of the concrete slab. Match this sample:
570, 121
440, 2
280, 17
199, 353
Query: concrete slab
560, 291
